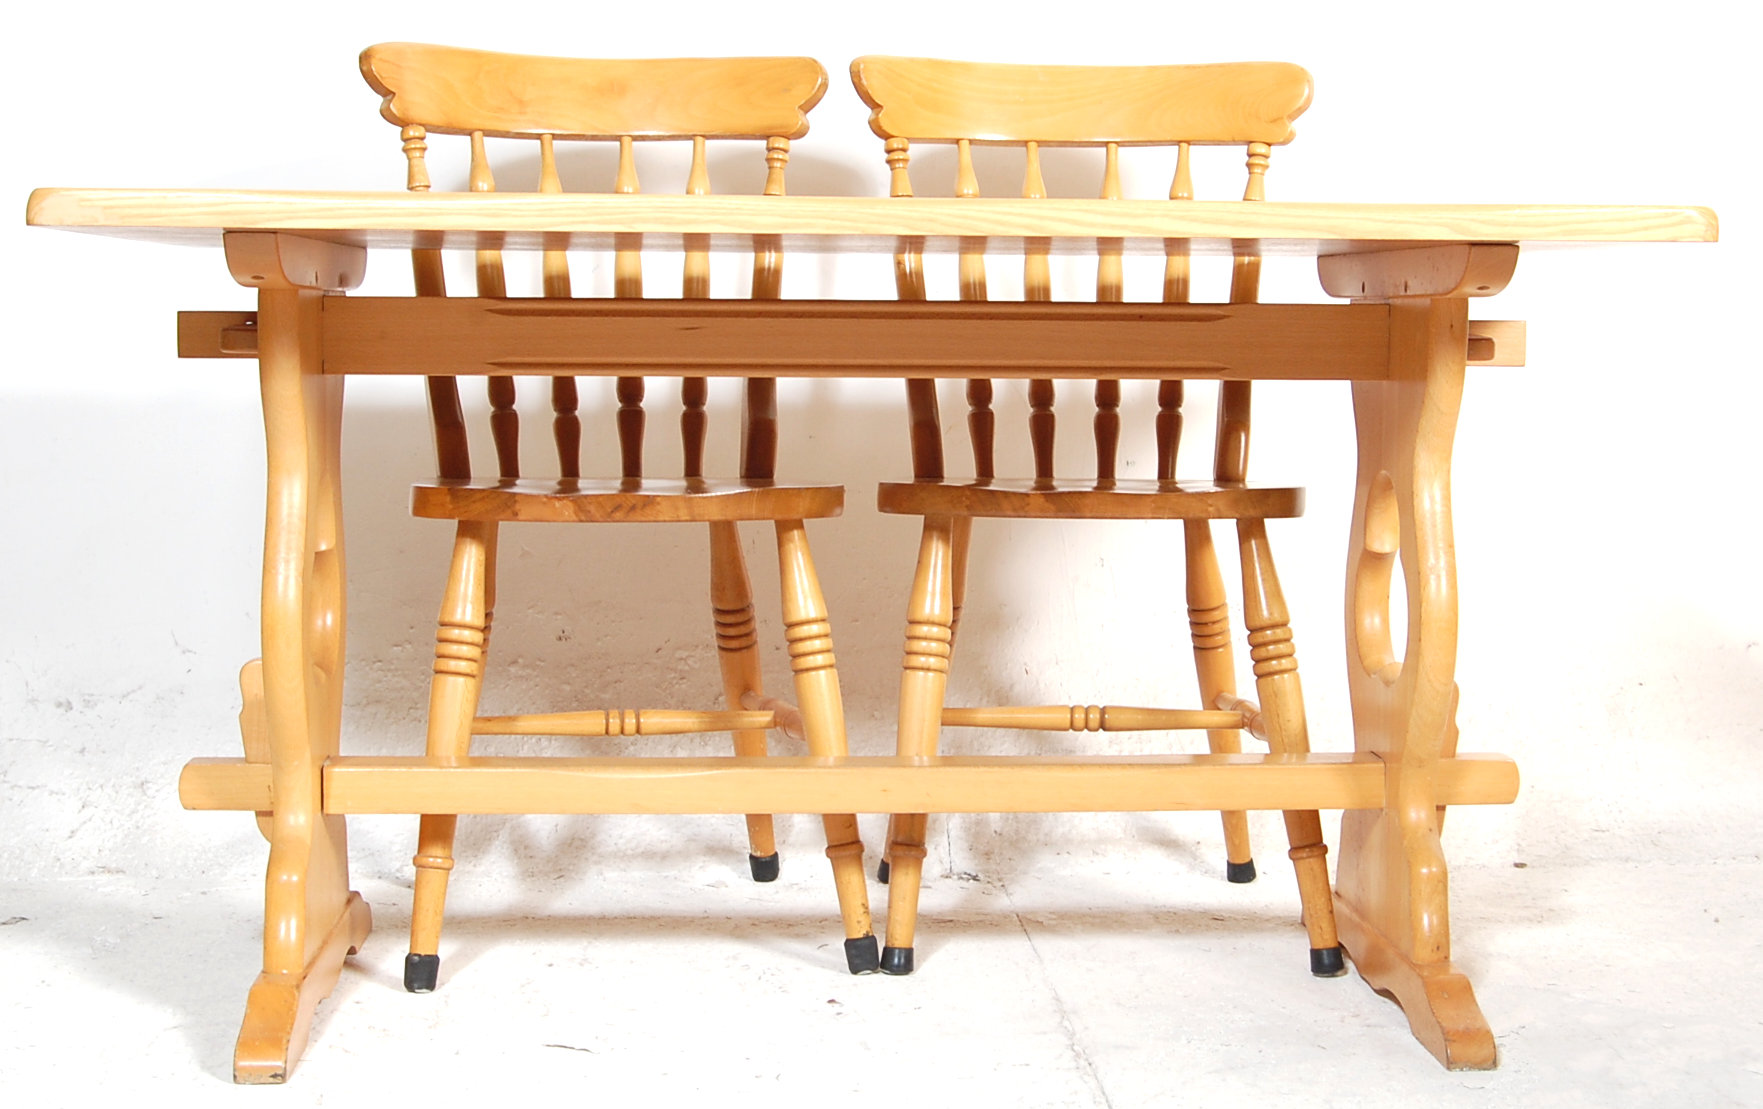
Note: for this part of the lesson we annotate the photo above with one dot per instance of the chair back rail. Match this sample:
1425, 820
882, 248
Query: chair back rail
933, 100
455, 91
922, 100
445, 90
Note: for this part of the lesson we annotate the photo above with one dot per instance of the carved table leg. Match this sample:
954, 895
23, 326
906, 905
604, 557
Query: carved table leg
311, 918
1391, 890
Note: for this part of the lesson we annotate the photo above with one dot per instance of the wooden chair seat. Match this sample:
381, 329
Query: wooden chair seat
924, 100
1089, 499
438, 90
625, 500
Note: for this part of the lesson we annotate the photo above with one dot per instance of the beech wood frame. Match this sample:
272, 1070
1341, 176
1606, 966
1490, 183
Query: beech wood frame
1391, 893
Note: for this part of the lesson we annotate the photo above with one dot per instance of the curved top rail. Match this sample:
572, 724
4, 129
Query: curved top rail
932, 100
452, 90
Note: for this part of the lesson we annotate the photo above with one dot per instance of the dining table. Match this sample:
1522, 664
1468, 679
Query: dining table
1398, 328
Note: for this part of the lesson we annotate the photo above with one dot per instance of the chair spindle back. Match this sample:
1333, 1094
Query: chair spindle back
925, 100
446, 90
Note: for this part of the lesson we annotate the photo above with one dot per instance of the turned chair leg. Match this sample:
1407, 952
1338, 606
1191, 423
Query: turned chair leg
961, 536
737, 650
1209, 625
460, 647
1282, 709
809, 635
924, 679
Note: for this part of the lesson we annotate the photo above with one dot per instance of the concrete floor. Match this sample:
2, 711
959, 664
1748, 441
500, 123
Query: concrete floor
1117, 975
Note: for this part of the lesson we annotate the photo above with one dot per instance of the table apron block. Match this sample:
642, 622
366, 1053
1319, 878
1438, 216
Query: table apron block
234, 335
829, 338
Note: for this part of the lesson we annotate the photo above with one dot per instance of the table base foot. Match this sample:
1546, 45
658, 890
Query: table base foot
1438, 1001
278, 1012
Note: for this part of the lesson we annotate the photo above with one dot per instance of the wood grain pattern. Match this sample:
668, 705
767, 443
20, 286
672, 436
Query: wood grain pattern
1078, 498
1089, 718
936, 100
1392, 892
311, 917
462, 639
1215, 660
254, 732
859, 783
622, 722
738, 657
226, 784
1393, 905
803, 338
949, 783
279, 1008
262, 260
436, 90
1479, 270
625, 500
920, 99
842, 224
823, 336
458, 91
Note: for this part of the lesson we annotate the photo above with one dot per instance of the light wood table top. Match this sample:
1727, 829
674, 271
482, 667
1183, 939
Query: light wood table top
840, 224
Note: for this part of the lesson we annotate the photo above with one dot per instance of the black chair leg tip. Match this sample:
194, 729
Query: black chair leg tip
421, 972
881, 872
1239, 873
896, 960
764, 867
1327, 962
862, 955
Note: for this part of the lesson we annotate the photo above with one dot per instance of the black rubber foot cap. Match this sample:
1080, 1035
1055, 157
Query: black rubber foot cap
1239, 873
881, 872
764, 867
896, 960
861, 955
1327, 962
420, 972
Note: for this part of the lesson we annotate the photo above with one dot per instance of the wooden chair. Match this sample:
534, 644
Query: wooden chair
440, 90
923, 100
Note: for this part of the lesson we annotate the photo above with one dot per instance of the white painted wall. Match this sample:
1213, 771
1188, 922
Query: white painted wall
1604, 495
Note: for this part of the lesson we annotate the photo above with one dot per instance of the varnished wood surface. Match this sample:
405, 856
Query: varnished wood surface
1090, 718
1393, 898
624, 722
939, 100
882, 784
626, 500
1088, 499
439, 90
859, 783
1392, 883
1467, 269
846, 338
452, 90
1252, 105
279, 1008
832, 338
535, 221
